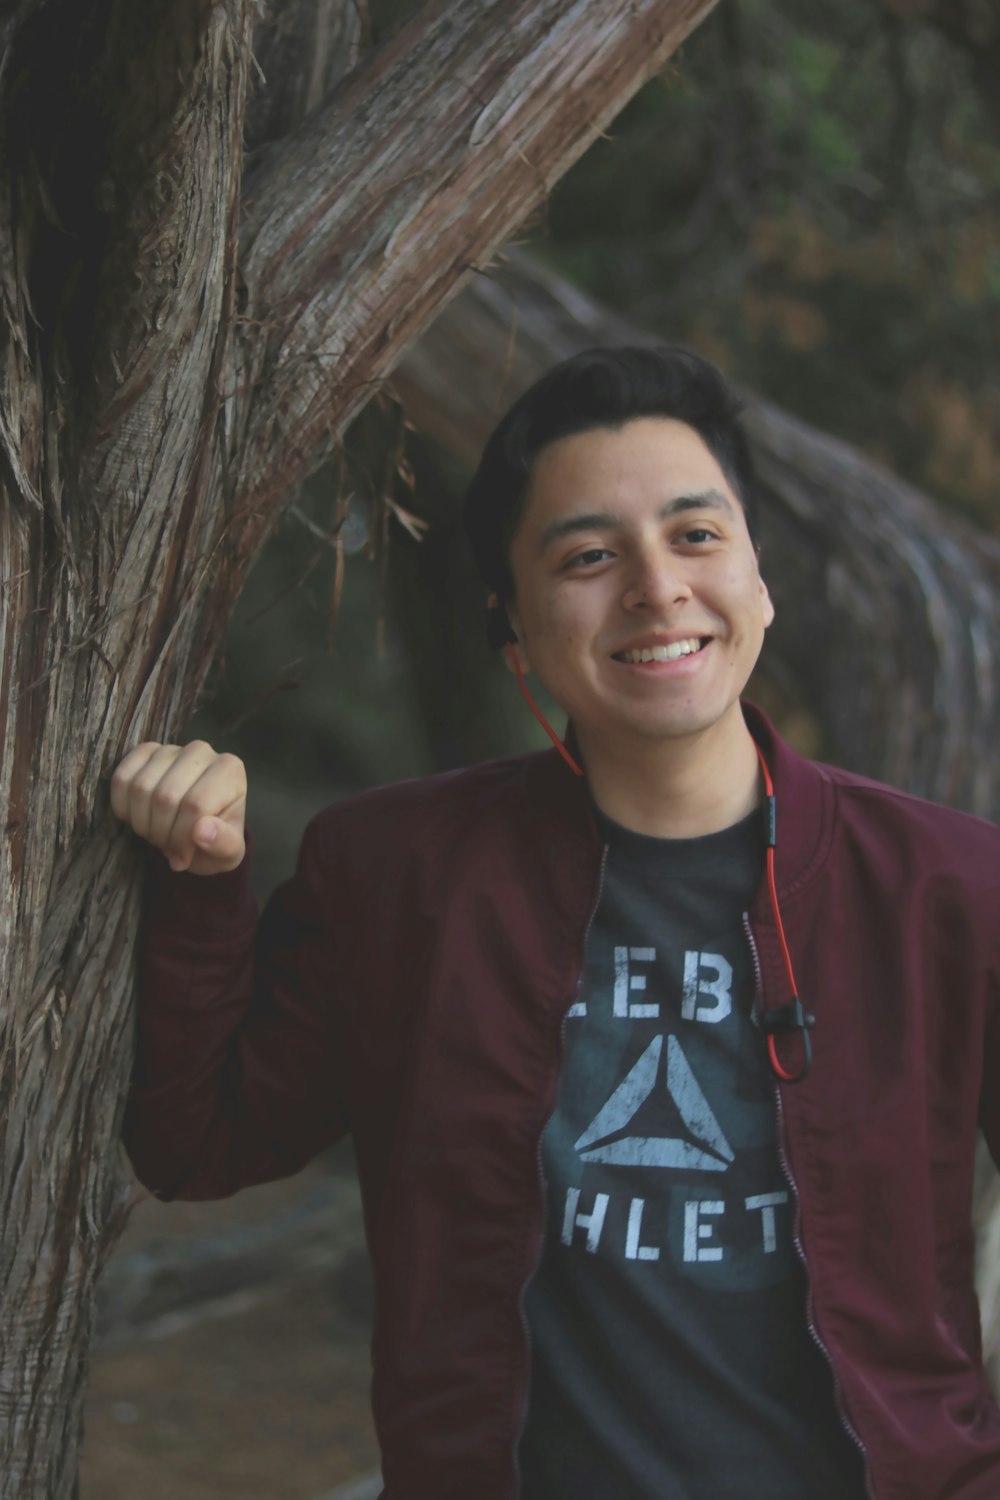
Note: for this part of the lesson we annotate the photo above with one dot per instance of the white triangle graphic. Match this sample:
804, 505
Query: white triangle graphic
657, 1151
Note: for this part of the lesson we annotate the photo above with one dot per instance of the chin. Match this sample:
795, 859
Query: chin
678, 726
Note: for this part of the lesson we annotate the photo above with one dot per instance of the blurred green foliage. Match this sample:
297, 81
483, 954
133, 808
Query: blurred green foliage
811, 196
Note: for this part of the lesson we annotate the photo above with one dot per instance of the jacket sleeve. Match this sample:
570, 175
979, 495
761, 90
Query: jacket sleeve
240, 1066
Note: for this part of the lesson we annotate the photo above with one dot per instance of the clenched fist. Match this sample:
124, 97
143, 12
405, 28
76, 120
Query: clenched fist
190, 802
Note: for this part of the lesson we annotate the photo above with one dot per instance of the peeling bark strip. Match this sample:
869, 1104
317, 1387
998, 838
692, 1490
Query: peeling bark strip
888, 607
156, 402
443, 146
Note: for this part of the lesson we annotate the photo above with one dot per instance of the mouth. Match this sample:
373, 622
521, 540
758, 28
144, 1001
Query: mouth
641, 655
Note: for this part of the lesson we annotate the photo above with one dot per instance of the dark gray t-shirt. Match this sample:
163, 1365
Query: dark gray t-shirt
671, 1357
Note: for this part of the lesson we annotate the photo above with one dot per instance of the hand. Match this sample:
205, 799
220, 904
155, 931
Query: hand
190, 802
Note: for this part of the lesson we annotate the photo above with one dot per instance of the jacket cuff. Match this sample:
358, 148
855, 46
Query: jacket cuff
198, 902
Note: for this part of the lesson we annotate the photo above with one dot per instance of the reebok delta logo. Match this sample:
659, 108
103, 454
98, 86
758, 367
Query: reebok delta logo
603, 1141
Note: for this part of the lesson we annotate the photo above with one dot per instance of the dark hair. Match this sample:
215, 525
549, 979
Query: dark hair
598, 388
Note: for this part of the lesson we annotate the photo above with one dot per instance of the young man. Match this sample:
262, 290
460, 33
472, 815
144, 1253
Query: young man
643, 1222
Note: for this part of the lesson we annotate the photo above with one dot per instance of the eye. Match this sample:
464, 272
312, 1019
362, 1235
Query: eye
698, 535
589, 558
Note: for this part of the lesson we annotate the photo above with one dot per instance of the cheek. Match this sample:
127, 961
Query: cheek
566, 617
753, 614
556, 618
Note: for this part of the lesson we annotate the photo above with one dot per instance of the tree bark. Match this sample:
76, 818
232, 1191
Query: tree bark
177, 347
116, 270
455, 122
303, 49
888, 610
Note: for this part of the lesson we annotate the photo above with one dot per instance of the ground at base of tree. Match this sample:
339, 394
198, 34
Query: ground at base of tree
259, 1394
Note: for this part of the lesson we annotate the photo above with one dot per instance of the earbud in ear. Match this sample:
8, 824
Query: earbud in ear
499, 631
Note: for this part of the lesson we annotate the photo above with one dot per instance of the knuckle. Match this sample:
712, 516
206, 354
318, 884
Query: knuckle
137, 756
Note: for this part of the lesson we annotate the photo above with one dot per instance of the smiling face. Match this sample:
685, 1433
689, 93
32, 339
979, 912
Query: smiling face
638, 599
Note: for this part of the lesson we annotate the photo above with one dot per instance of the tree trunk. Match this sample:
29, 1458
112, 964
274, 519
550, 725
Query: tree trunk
177, 347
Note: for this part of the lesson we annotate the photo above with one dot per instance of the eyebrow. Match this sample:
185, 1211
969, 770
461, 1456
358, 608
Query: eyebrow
602, 520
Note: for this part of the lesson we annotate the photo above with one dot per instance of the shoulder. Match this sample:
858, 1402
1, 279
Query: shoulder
932, 836
864, 796
447, 793
427, 813
830, 819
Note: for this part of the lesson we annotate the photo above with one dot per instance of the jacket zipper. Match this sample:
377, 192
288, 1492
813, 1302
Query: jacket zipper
544, 1186
838, 1395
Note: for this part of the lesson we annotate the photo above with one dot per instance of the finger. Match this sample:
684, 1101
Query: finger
124, 773
220, 840
210, 816
169, 798
142, 786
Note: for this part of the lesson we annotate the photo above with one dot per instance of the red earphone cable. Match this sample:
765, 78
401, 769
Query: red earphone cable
772, 888
516, 665
773, 891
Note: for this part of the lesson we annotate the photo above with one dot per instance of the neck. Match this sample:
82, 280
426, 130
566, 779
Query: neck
676, 789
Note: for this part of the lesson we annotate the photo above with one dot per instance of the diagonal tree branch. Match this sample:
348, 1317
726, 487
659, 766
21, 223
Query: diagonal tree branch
442, 145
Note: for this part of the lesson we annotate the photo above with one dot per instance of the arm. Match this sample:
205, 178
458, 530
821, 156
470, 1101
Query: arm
239, 1072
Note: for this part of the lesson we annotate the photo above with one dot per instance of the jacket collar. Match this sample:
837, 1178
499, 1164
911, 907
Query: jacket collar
804, 805
804, 801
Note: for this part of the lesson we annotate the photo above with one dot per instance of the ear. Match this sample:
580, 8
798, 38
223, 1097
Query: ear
505, 633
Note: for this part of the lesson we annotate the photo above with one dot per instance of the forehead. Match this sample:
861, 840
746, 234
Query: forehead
648, 460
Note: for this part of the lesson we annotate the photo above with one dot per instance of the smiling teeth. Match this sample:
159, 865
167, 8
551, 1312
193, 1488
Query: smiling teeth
663, 653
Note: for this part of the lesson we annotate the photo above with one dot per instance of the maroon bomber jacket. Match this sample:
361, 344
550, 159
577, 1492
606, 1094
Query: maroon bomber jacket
409, 983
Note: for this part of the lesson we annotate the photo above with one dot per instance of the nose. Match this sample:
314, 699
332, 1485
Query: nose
656, 581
